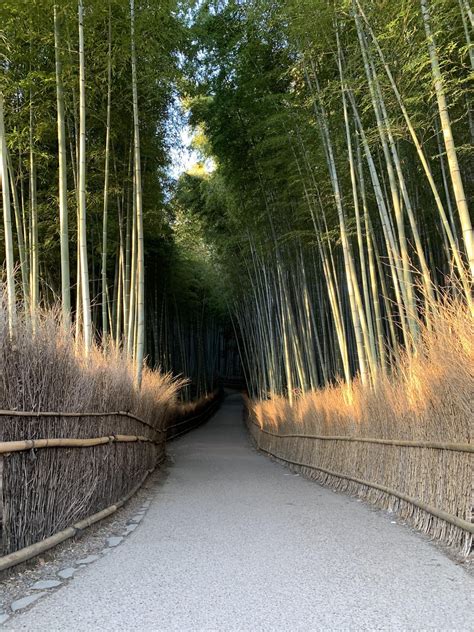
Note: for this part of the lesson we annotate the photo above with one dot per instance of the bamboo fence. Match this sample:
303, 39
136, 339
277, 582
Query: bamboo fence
28, 552
61, 469
428, 484
203, 411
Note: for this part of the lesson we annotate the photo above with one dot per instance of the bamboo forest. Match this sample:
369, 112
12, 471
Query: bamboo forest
202, 197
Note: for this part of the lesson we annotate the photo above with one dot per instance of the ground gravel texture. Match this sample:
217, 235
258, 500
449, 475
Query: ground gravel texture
233, 541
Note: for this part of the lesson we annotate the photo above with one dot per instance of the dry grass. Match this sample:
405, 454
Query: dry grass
48, 490
189, 415
49, 372
429, 396
194, 407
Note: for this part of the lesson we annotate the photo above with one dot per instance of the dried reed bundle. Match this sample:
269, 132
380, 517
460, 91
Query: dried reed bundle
190, 415
47, 490
427, 398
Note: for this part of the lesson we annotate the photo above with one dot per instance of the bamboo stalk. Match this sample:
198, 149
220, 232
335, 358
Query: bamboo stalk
139, 280
62, 181
82, 221
6, 447
7, 223
105, 324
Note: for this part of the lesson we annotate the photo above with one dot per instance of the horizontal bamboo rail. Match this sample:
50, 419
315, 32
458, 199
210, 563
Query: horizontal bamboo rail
438, 513
434, 445
6, 447
33, 550
214, 403
42, 413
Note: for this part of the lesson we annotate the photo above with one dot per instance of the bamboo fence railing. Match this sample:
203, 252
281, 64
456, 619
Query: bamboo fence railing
28, 552
41, 413
427, 483
49, 483
187, 423
7, 447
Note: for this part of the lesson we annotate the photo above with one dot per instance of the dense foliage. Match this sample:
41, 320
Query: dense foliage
330, 207
338, 204
41, 66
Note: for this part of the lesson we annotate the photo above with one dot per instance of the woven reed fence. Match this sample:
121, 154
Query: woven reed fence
200, 413
427, 484
61, 472
59, 468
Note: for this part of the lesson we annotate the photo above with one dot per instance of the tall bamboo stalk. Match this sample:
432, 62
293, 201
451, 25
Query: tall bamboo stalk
63, 211
7, 223
20, 231
33, 208
106, 181
453, 164
82, 232
422, 156
140, 278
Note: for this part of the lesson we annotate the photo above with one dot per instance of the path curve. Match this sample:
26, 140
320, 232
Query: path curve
233, 541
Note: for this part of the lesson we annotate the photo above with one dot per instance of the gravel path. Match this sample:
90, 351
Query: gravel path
233, 541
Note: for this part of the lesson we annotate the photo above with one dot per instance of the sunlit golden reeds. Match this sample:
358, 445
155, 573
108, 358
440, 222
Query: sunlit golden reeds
428, 396
47, 490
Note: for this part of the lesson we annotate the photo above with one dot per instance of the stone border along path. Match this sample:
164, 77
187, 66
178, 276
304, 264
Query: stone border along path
234, 541
42, 587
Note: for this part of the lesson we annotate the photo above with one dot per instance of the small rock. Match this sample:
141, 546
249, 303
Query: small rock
24, 602
88, 560
129, 528
3, 617
136, 518
44, 584
67, 573
114, 540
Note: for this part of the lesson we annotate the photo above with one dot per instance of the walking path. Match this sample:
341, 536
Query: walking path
233, 541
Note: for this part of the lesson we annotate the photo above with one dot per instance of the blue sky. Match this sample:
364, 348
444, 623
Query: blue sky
182, 156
